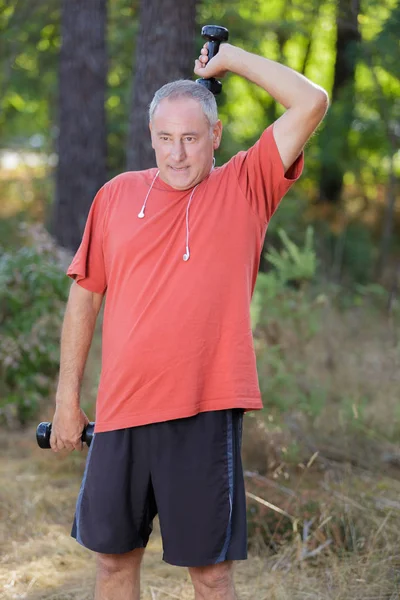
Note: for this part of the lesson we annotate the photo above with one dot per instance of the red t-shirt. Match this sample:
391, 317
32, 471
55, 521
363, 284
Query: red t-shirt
177, 336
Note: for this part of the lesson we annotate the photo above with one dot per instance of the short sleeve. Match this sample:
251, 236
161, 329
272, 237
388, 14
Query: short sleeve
87, 267
261, 175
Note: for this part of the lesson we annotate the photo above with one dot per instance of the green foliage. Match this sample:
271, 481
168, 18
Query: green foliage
293, 264
299, 33
29, 45
291, 217
348, 256
33, 291
358, 252
285, 316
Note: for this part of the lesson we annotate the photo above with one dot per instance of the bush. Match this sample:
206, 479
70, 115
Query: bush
33, 292
286, 317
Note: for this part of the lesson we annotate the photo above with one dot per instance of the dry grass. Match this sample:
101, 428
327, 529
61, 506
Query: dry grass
357, 355
348, 375
39, 560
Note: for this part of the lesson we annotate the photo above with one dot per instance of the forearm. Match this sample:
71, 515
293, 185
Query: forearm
305, 102
285, 85
76, 337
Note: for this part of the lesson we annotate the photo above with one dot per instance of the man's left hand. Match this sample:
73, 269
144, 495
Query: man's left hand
218, 66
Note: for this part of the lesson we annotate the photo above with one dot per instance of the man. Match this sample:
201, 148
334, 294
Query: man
177, 249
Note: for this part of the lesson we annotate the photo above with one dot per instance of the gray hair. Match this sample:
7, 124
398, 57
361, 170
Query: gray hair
187, 89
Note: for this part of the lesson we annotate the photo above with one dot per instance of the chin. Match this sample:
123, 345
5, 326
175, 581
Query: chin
181, 181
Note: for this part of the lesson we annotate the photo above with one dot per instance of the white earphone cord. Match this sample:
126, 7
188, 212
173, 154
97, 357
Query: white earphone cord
186, 256
141, 215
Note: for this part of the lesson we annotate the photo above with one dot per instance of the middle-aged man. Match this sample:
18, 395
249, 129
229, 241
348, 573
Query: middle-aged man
177, 250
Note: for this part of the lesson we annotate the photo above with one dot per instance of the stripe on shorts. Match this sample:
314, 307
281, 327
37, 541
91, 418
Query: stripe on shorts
79, 501
229, 443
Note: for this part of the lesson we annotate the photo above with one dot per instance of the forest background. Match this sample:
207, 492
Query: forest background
322, 460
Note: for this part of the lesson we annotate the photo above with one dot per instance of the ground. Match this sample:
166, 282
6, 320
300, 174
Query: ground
40, 561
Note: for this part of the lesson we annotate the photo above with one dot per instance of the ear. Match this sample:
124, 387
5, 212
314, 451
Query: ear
217, 134
151, 134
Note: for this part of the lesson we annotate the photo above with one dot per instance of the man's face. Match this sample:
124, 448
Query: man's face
184, 142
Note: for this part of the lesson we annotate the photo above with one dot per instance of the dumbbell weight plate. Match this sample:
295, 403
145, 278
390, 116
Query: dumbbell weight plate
43, 433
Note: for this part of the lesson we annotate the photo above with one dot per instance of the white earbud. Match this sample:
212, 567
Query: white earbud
141, 214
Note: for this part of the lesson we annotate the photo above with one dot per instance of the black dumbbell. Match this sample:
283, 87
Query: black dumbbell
214, 34
43, 433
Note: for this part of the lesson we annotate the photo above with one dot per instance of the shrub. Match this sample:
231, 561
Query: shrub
33, 292
286, 317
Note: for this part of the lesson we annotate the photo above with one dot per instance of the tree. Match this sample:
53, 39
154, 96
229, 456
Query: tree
389, 108
82, 125
165, 52
335, 135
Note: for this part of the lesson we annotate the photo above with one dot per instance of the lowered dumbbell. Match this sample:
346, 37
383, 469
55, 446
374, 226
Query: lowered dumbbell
43, 433
214, 34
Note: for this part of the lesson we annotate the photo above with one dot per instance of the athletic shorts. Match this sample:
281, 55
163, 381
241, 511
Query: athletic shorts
189, 471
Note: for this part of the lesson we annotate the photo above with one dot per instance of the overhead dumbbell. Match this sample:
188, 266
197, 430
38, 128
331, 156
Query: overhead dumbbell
214, 34
43, 433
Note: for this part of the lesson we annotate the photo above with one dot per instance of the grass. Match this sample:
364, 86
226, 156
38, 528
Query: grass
39, 560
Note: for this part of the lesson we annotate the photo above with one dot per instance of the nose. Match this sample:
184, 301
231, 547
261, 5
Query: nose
178, 153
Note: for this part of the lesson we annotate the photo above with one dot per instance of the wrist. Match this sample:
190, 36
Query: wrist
67, 400
231, 55
234, 57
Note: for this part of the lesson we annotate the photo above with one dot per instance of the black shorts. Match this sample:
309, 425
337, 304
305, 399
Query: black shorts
189, 471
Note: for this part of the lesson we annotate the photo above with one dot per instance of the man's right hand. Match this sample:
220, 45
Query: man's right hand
67, 427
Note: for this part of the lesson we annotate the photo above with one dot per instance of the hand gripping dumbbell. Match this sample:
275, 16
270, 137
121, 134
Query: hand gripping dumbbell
214, 34
43, 433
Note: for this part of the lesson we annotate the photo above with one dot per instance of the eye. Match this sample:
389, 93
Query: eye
189, 138
164, 138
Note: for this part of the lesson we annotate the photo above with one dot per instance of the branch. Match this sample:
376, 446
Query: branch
271, 506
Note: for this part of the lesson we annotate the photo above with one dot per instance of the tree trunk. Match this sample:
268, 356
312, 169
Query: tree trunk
82, 148
388, 221
334, 144
282, 36
312, 24
165, 51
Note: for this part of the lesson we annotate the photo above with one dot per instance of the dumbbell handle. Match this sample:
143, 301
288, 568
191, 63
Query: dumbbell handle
43, 433
214, 34
213, 47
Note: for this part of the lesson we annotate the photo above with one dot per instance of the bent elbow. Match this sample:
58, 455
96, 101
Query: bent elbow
321, 102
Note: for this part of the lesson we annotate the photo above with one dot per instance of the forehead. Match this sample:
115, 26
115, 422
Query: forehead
179, 113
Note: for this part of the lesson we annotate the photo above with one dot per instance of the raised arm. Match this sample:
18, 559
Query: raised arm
306, 103
77, 332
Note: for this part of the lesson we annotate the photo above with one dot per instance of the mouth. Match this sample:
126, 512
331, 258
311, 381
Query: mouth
178, 169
